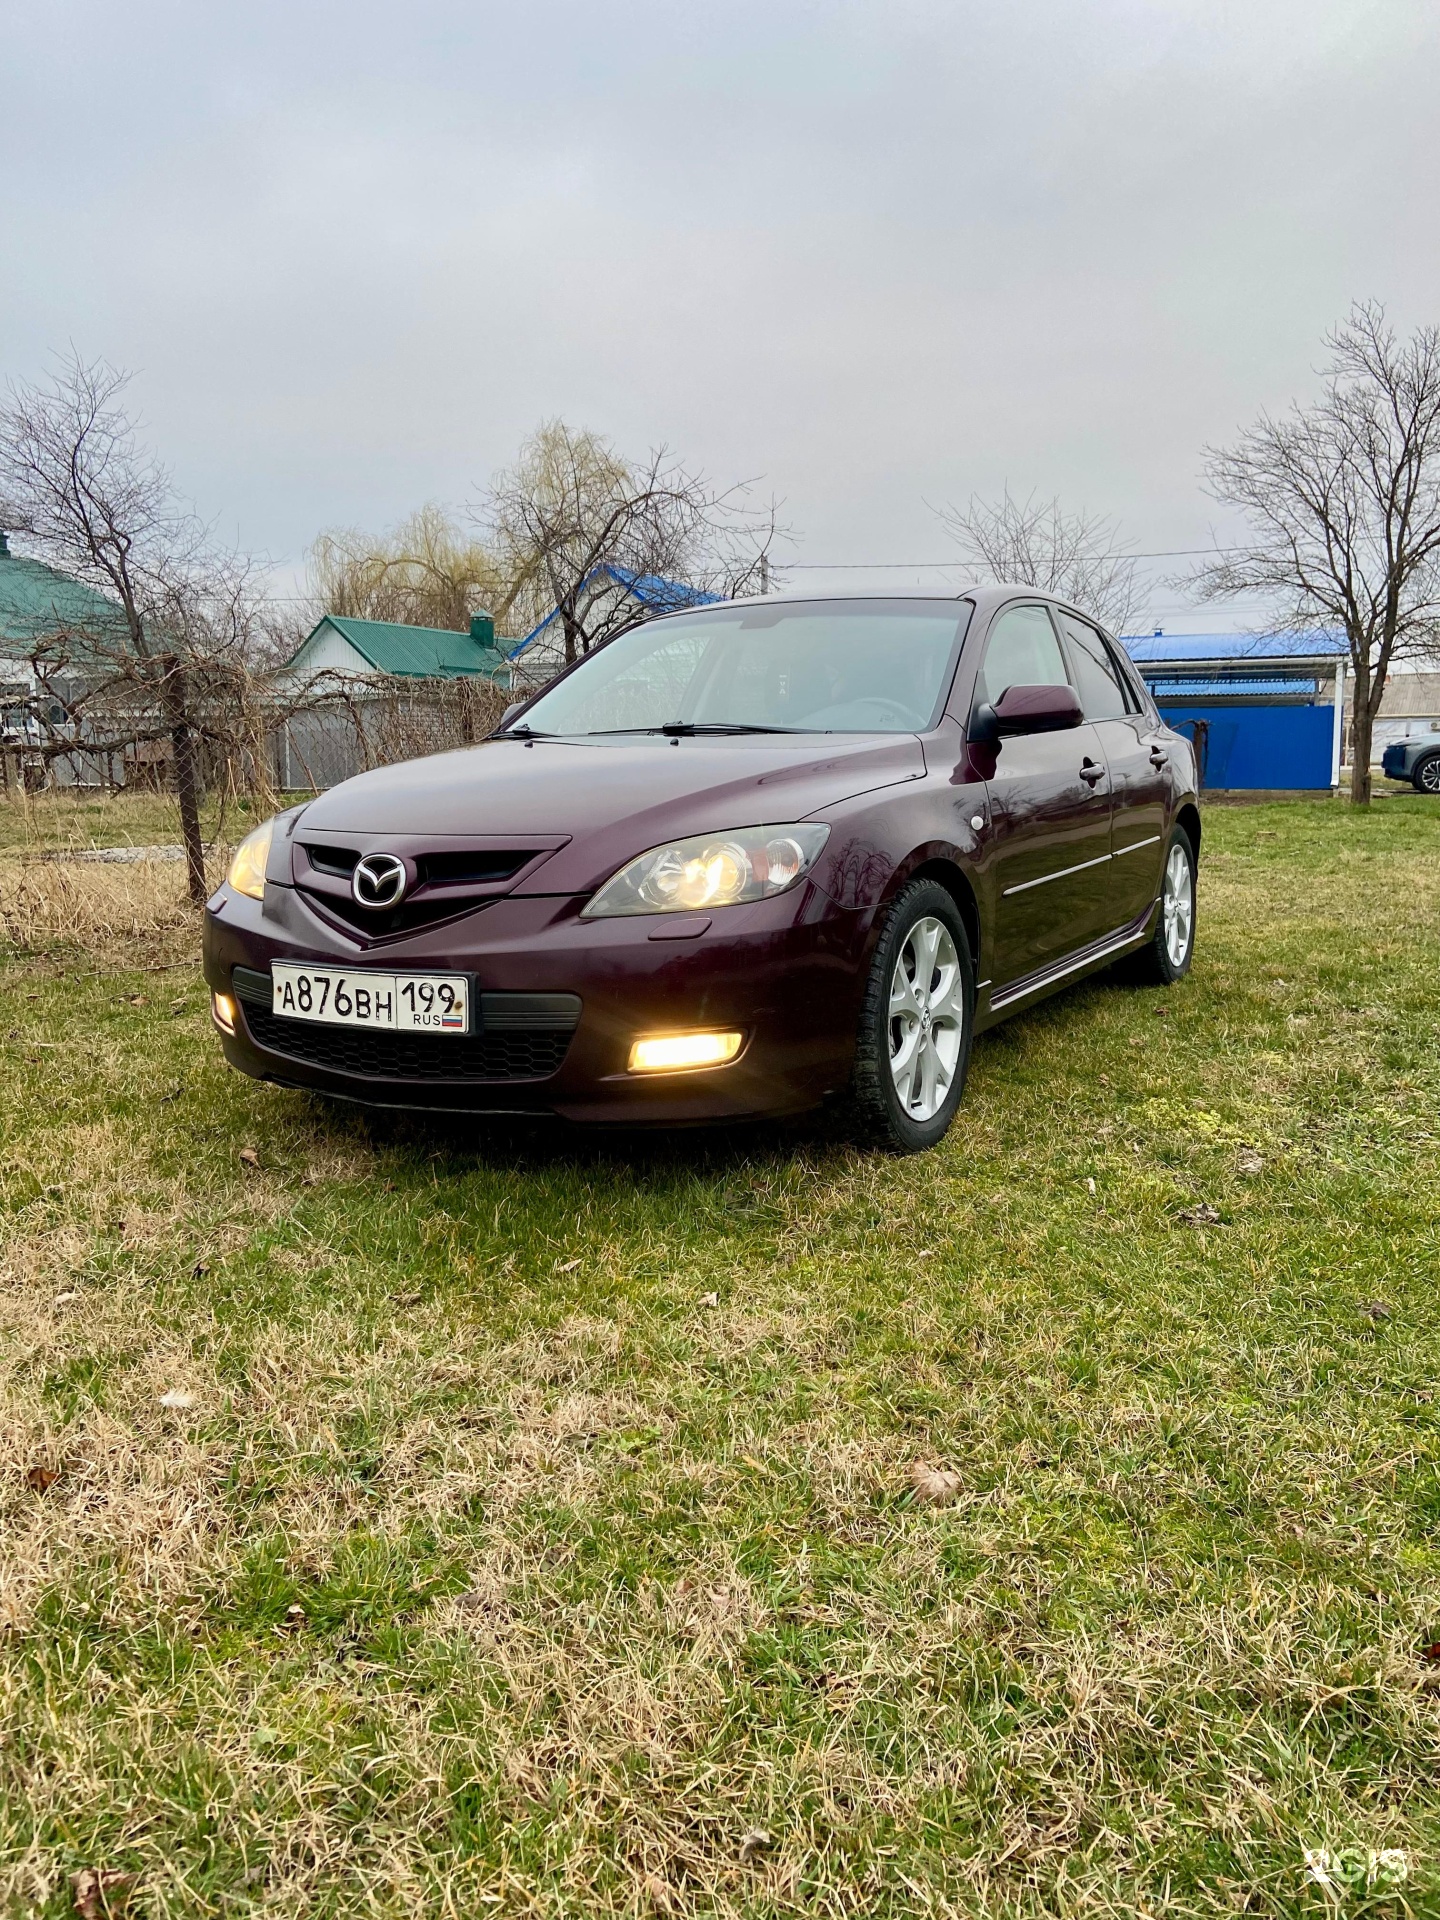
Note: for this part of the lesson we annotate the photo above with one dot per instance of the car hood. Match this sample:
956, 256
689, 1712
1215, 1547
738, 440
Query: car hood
612, 797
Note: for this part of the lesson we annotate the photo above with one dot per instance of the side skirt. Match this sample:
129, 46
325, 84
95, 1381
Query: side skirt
1045, 980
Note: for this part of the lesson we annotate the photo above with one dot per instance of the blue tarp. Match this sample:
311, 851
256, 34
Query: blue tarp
661, 596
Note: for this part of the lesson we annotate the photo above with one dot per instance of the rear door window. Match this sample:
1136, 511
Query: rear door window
1101, 692
1129, 679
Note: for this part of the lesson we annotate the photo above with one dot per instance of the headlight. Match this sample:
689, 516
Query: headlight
247, 869
712, 870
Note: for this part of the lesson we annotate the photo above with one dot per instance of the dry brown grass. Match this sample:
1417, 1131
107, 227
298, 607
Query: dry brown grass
544, 1520
121, 915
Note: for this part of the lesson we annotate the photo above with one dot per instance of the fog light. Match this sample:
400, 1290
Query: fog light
222, 1009
673, 1052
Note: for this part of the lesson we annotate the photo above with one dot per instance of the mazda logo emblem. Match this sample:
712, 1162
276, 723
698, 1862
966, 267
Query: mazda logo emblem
379, 880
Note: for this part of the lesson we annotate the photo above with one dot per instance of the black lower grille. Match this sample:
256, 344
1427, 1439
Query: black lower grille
506, 1055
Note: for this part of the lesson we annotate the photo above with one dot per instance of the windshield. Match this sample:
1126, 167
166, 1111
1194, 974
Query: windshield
828, 666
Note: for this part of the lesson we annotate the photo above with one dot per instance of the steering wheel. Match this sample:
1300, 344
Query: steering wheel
902, 714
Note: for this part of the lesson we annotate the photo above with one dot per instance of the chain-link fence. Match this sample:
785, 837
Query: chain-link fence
344, 727
252, 734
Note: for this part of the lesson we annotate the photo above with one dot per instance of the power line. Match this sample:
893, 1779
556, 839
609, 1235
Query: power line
931, 566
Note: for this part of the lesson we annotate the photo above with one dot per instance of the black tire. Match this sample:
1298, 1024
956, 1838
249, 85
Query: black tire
1153, 964
880, 1115
1425, 774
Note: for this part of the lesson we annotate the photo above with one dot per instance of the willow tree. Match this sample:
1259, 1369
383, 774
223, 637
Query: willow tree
572, 523
426, 572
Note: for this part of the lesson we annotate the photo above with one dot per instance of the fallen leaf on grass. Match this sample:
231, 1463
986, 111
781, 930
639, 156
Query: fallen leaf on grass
755, 1466
1377, 1311
1090, 1186
177, 1399
1431, 1653
249, 1157
753, 1842
567, 1266
935, 1486
295, 1617
658, 1894
708, 1300
65, 1299
406, 1299
1249, 1162
1201, 1215
99, 1892
40, 1479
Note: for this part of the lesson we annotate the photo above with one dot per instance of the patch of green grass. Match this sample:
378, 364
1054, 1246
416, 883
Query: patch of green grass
86, 817
469, 1578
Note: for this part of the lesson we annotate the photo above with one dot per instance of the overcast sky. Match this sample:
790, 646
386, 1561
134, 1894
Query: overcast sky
876, 255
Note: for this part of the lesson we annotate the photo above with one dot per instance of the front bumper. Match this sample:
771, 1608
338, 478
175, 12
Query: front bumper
786, 972
1392, 763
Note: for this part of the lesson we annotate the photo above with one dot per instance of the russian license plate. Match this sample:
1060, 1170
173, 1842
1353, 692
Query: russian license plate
413, 1002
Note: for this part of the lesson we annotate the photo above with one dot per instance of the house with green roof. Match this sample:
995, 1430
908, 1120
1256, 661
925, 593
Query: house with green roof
384, 649
43, 611
39, 603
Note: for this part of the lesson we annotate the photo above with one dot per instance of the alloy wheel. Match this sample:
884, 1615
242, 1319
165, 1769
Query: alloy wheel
1430, 774
927, 1018
1179, 907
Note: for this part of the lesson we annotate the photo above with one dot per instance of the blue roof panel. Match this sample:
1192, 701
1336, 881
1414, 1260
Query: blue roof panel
1221, 686
662, 596
1145, 649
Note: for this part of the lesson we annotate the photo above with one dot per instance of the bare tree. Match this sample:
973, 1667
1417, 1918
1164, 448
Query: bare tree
1344, 501
426, 573
574, 523
77, 482
1036, 543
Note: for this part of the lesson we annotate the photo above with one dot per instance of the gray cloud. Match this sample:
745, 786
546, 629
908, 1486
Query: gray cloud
878, 254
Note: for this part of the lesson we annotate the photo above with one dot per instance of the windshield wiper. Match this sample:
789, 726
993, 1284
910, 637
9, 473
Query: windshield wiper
685, 729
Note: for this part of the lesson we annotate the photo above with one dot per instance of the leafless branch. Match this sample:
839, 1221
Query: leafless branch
573, 524
1343, 501
1036, 543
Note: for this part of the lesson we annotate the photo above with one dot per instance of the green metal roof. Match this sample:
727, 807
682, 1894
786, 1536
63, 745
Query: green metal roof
36, 602
431, 653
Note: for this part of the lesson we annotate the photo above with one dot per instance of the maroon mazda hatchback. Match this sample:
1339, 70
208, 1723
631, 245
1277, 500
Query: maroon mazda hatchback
734, 861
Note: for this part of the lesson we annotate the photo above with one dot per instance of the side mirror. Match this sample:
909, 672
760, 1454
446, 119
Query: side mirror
1027, 710
510, 712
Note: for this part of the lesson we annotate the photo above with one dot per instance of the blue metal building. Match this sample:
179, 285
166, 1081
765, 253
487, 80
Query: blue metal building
1267, 709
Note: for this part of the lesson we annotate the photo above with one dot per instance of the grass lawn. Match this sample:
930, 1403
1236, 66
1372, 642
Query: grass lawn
467, 1521
82, 817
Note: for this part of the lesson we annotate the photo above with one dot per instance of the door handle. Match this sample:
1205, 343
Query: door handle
1158, 757
1089, 771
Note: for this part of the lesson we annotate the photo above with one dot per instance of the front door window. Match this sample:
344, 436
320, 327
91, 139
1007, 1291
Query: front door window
1049, 839
1136, 759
